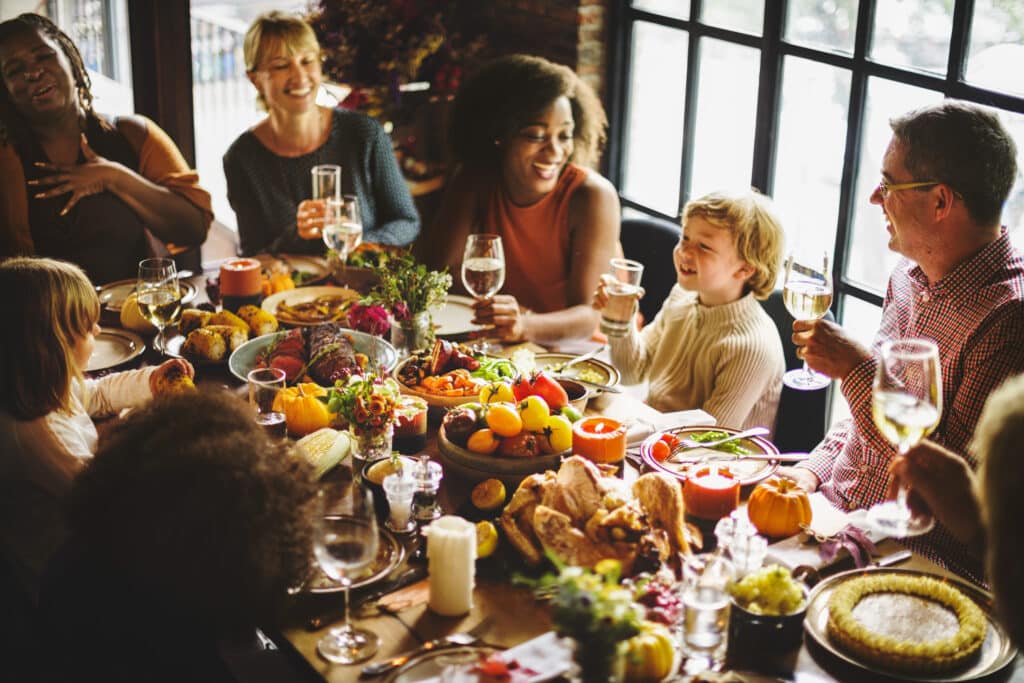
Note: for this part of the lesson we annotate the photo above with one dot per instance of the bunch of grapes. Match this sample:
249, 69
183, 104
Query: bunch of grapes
658, 594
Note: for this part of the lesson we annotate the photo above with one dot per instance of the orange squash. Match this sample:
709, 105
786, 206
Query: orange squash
303, 412
777, 507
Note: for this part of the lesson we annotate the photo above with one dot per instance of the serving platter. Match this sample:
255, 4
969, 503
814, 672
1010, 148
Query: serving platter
454, 318
996, 652
114, 347
243, 359
113, 294
300, 295
747, 471
390, 554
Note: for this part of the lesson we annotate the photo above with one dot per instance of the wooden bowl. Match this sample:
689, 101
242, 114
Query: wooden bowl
433, 400
477, 466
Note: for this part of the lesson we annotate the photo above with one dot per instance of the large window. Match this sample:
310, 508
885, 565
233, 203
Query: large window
793, 97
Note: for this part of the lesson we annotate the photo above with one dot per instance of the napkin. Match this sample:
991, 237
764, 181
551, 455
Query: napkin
825, 520
544, 658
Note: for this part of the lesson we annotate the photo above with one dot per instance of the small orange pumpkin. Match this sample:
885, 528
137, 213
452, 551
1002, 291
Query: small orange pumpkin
778, 506
304, 413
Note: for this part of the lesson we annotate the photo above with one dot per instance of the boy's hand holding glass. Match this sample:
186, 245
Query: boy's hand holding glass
622, 293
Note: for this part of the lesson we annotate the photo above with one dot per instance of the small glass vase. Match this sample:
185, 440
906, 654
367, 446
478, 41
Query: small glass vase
369, 445
596, 662
414, 334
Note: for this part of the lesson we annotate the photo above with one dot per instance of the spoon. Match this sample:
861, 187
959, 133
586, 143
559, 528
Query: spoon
585, 356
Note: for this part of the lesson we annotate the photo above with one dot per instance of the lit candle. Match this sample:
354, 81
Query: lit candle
451, 555
599, 439
711, 492
241, 283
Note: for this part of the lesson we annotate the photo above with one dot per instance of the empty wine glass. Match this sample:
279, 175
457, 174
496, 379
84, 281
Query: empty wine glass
483, 268
807, 295
343, 226
345, 543
906, 406
159, 295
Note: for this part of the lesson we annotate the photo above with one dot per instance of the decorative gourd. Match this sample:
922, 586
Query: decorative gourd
303, 412
778, 506
650, 654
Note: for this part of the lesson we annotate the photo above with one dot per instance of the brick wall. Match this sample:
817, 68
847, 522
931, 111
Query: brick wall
571, 32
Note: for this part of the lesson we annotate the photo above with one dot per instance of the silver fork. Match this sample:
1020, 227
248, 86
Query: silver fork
690, 444
451, 640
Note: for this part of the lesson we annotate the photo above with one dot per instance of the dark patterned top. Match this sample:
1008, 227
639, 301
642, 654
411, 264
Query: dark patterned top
976, 316
265, 189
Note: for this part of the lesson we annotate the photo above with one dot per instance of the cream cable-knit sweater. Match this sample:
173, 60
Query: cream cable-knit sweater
726, 360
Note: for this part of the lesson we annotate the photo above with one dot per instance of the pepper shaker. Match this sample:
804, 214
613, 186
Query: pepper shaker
428, 476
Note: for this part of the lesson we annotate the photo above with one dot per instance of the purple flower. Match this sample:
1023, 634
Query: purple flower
370, 319
401, 311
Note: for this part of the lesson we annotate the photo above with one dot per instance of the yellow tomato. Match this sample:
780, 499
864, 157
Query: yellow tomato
503, 419
497, 392
483, 441
558, 431
535, 412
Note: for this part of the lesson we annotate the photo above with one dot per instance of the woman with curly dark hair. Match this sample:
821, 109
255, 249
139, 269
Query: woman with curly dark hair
524, 132
77, 185
185, 532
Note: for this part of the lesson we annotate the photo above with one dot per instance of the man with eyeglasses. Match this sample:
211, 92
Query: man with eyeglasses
946, 174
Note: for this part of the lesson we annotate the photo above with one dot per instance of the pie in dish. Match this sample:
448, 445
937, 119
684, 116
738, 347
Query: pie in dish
921, 624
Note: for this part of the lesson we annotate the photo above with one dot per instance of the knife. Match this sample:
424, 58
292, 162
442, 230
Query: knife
406, 578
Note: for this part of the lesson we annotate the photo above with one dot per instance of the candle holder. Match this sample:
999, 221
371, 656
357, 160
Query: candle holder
711, 492
428, 477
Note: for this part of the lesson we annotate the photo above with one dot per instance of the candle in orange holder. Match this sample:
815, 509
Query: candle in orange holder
240, 283
599, 439
711, 492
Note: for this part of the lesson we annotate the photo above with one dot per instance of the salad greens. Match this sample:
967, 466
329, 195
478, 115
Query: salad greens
494, 369
734, 447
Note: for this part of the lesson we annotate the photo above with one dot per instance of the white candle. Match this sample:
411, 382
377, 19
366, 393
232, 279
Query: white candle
451, 552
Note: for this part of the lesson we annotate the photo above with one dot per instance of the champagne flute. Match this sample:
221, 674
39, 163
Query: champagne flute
343, 226
906, 406
345, 543
159, 295
483, 269
807, 295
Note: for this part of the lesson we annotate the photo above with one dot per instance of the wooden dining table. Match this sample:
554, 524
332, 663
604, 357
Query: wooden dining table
511, 612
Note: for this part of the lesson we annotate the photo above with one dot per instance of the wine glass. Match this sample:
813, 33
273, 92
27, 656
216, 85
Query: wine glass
159, 295
807, 295
343, 226
483, 269
906, 406
345, 543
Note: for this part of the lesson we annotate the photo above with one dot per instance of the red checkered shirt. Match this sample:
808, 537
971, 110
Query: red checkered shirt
976, 316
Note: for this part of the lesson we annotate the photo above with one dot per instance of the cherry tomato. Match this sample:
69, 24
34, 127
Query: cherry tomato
522, 445
670, 439
497, 392
660, 450
521, 387
483, 441
558, 433
535, 411
548, 388
503, 419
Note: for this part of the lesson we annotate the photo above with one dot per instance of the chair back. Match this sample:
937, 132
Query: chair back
800, 425
650, 241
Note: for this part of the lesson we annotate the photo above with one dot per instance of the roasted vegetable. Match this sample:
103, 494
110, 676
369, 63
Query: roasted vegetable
228, 318
174, 381
193, 319
259, 321
232, 336
206, 345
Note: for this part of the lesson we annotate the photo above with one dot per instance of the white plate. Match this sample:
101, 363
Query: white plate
114, 347
454, 317
301, 295
316, 266
113, 294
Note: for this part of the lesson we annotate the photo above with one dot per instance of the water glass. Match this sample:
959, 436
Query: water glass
343, 225
326, 181
706, 616
623, 296
264, 385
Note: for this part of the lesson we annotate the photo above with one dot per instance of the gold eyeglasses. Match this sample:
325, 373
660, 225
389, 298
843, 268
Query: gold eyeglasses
885, 187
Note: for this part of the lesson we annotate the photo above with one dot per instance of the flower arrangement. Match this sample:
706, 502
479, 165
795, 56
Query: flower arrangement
370, 318
367, 403
408, 288
376, 46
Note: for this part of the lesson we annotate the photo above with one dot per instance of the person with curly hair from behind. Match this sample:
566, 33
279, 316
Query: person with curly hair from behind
185, 532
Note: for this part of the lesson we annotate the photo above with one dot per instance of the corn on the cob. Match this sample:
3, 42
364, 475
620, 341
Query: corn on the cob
259, 321
324, 448
205, 344
233, 336
174, 381
193, 319
228, 318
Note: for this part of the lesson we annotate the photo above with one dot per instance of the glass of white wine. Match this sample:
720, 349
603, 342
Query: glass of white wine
159, 295
807, 295
345, 543
483, 268
343, 226
906, 406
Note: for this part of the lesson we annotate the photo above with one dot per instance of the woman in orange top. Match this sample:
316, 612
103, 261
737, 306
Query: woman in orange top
76, 185
523, 133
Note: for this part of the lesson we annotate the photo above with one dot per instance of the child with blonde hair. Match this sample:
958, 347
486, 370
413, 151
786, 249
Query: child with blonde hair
712, 346
50, 315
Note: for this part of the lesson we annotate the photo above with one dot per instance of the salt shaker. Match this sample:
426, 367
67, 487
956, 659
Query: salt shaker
399, 488
451, 556
740, 542
428, 477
